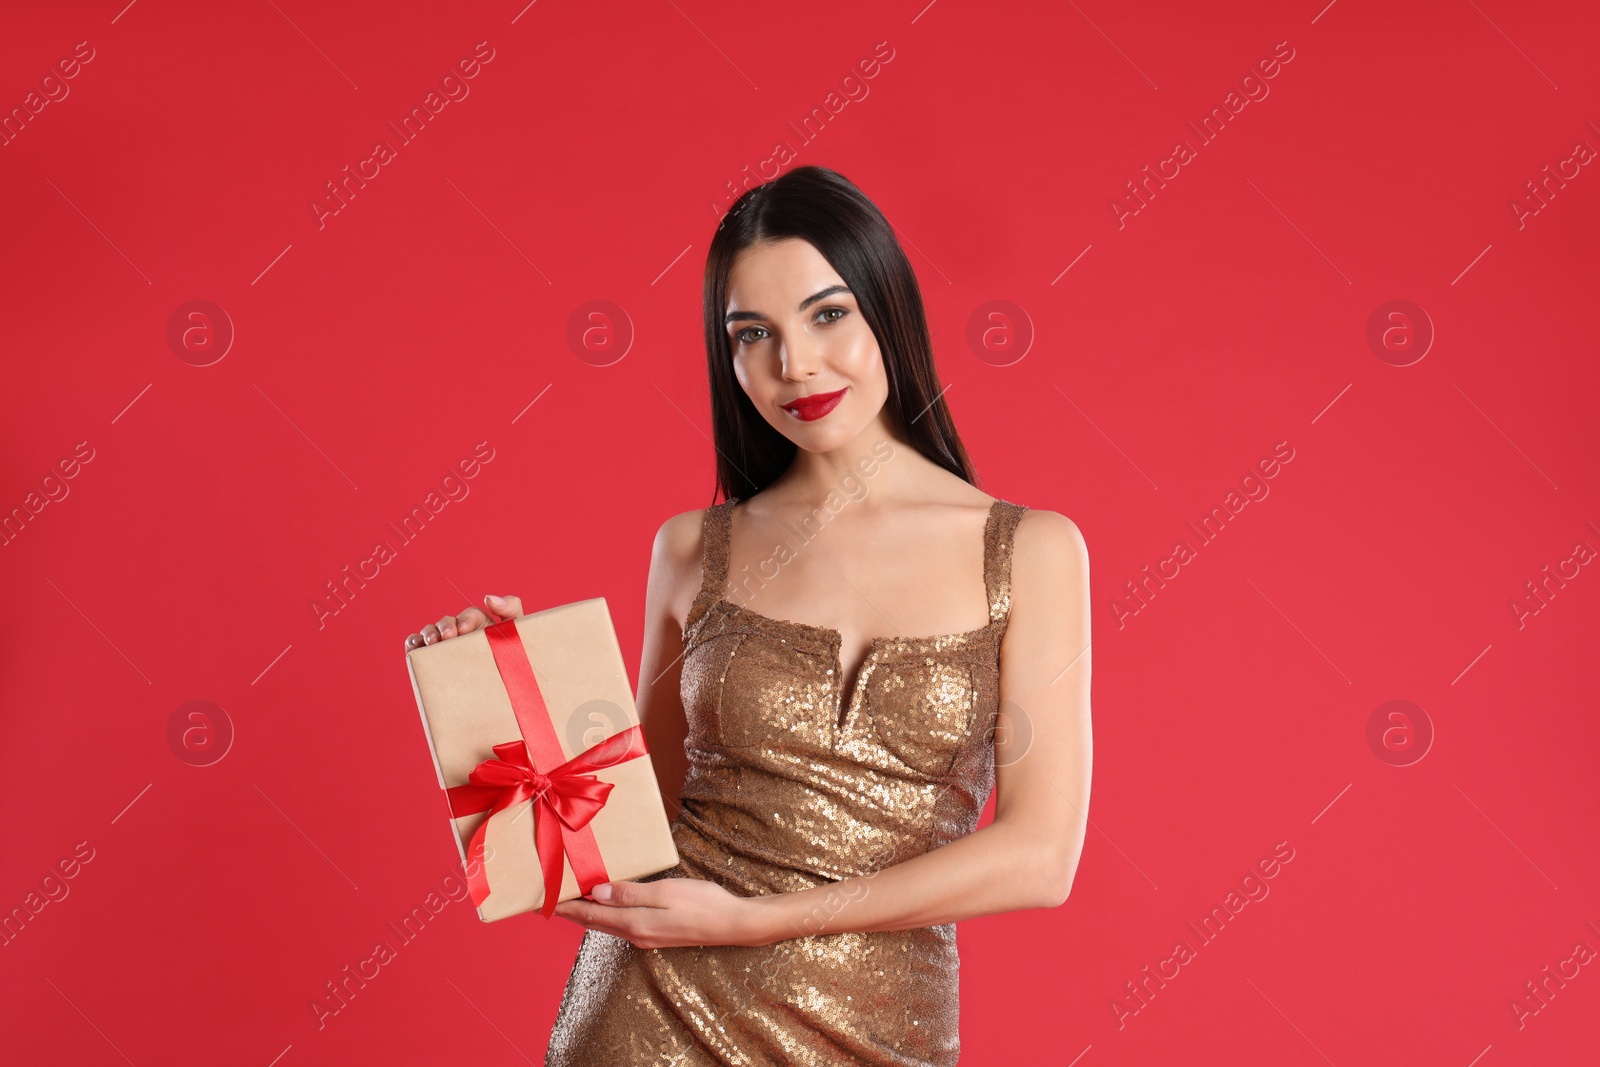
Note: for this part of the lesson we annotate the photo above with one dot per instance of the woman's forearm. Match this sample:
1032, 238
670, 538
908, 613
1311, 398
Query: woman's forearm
992, 870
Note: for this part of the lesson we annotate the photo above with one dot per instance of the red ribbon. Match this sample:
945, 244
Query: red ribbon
565, 798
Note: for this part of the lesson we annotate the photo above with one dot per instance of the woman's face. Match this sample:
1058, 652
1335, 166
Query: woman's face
796, 332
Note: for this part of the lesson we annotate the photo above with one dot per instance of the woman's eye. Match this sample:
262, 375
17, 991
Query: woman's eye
752, 334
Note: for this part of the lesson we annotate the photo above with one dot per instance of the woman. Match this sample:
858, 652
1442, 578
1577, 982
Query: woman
830, 773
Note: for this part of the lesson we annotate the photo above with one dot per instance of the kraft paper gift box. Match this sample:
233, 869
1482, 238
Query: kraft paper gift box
531, 723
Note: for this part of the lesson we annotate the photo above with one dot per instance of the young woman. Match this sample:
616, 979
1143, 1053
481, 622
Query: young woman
829, 773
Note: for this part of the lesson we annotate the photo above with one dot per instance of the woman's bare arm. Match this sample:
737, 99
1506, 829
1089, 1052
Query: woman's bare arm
670, 589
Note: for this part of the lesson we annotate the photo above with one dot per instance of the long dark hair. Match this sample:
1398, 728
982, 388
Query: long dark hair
823, 207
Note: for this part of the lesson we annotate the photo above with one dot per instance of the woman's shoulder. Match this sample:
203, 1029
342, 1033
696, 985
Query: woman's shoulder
1038, 521
677, 562
1040, 529
679, 542
1039, 537
1048, 552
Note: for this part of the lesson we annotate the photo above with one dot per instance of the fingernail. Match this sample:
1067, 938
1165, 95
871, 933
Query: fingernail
490, 596
601, 891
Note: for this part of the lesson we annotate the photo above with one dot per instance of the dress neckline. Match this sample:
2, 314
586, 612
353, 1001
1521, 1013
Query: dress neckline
849, 692
723, 550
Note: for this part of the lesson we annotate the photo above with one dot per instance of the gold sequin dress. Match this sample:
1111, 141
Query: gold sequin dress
792, 784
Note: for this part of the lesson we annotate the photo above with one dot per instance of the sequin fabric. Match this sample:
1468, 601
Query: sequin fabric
794, 783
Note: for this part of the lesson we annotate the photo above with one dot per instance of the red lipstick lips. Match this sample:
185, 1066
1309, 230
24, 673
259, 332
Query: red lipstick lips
813, 407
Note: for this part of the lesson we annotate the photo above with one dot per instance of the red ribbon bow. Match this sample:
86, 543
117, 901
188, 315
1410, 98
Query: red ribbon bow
565, 798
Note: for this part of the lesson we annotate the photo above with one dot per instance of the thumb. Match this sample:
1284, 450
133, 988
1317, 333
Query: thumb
626, 894
505, 607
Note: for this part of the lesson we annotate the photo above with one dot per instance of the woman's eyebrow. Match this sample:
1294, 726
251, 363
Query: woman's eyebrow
821, 294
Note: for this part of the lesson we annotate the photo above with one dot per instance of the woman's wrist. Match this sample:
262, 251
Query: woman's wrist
764, 920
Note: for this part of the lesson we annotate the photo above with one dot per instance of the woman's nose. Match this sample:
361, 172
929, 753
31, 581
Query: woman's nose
801, 360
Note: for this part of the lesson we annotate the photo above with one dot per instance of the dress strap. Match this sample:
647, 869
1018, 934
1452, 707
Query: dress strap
714, 537
998, 539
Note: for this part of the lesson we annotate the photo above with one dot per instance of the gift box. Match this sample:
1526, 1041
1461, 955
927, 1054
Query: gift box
542, 761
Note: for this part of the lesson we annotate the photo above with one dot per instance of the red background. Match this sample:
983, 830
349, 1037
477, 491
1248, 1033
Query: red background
373, 352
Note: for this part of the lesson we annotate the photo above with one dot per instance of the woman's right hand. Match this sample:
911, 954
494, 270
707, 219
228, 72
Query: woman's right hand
496, 609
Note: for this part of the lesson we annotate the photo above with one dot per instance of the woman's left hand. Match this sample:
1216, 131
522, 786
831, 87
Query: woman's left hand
669, 913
